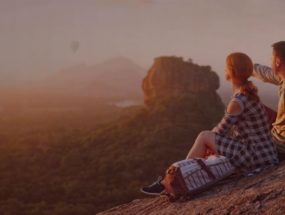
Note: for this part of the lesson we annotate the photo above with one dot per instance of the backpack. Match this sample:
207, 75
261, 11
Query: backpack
186, 178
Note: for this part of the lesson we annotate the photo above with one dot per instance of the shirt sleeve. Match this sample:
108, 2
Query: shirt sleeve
266, 74
228, 120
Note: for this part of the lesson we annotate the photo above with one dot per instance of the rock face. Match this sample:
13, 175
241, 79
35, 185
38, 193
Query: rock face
181, 101
260, 194
171, 76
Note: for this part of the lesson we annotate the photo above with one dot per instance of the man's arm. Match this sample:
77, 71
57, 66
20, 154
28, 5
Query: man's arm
266, 74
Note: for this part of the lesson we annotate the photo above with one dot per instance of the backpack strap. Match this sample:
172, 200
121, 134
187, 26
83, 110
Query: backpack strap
206, 169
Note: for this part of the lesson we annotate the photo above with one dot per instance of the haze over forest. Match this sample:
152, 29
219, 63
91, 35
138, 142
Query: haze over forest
80, 116
39, 38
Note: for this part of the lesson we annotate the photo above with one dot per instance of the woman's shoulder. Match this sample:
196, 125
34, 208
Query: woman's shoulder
245, 99
240, 96
248, 103
236, 104
234, 107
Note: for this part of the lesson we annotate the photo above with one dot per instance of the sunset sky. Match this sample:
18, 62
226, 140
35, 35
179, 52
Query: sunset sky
38, 37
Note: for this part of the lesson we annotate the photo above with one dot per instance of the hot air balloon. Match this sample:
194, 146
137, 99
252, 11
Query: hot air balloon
74, 45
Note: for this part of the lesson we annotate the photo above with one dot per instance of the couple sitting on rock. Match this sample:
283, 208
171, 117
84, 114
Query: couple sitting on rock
243, 135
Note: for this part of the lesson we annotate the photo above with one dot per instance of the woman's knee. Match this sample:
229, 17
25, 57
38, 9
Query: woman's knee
205, 134
207, 138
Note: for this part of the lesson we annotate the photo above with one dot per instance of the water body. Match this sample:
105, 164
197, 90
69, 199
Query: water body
127, 103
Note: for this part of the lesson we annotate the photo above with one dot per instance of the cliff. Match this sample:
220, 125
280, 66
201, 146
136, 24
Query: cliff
171, 76
260, 194
145, 141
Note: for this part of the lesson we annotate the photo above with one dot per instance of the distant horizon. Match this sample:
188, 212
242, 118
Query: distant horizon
44, 36
265, 90
39, 38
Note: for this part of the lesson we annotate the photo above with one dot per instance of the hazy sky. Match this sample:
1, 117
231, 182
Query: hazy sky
36, 35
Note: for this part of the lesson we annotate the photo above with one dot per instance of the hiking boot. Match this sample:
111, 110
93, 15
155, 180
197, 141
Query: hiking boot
154, 189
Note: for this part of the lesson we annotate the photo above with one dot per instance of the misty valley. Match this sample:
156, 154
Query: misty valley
71, 146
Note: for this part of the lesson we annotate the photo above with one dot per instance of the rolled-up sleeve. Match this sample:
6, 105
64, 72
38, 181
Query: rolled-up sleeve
266, 74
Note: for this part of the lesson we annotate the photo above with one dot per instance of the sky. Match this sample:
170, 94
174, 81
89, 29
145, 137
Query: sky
39, 37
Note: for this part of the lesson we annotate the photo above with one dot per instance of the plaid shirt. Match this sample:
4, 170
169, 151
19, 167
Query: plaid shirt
245, 138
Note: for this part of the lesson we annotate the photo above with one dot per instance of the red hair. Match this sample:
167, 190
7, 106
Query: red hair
239, 69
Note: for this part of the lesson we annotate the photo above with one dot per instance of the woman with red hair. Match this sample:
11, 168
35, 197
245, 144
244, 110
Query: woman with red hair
243, 135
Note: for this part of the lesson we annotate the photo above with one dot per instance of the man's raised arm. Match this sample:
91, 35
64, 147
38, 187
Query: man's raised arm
266, 74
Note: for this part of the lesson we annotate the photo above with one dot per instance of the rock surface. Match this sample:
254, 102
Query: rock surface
260, 194
171, 76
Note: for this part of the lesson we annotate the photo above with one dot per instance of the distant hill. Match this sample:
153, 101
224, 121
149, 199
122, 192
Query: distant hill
117, 78
114, 80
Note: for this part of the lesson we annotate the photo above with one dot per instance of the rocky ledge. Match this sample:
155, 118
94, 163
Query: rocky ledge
260, 194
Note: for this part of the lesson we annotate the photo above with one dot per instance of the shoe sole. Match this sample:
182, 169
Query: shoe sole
151, 194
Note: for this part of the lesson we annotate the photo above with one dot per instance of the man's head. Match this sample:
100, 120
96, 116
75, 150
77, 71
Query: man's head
278, 58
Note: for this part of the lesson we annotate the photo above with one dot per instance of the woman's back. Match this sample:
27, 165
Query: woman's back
252, 123
250, 144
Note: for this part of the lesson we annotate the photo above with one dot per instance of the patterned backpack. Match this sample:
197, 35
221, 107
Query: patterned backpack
187, 178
